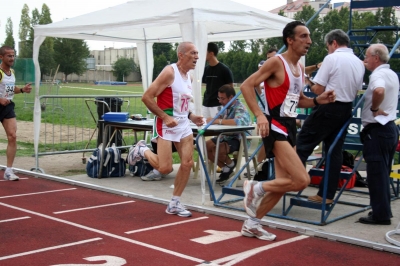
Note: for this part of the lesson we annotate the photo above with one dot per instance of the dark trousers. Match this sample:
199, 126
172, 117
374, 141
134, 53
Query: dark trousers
324, 124
379, 146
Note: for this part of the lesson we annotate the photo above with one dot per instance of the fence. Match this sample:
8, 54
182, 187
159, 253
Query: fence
69, 123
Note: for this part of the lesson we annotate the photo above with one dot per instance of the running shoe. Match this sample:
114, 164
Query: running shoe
151, 176
9, 175
251, 199
257, 231
134, 153
175, 207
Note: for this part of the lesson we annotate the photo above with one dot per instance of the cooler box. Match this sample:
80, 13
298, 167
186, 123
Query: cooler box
116, 116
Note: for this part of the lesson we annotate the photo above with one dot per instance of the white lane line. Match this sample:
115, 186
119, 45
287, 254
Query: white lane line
94, 207
50, 248
14, 219
236, 258
170, 252
36, 193
166, 225
21, 178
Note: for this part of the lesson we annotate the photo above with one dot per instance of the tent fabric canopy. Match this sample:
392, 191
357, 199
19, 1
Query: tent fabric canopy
145, 22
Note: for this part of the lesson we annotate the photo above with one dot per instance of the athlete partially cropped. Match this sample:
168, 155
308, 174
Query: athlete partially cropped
7, 115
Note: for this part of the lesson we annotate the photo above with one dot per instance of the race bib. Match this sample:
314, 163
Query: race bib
184, 101
290, 105
8, 92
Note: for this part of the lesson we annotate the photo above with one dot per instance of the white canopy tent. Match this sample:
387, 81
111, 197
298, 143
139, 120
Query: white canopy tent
145, 22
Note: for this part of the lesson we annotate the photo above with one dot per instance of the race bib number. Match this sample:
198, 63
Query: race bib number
290, 105
184, 101
8, 92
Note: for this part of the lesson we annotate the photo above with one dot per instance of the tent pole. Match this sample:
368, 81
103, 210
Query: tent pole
147, 64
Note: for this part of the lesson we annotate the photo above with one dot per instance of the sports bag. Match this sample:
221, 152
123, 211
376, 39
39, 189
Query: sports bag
113, 164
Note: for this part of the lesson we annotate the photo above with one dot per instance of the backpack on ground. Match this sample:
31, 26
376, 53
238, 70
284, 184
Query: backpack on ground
141, 168
113, 164
263, 174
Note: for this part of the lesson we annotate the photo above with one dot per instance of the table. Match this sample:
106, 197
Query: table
147, 125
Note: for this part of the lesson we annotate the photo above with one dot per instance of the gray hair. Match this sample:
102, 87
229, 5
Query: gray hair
339, 36
381, 51
182, 47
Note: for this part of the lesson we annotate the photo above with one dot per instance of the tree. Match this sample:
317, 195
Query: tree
123, 67
46, 52
159, 63
9, 34
221, 46
24, 29
238, 46
70, 54
162, 48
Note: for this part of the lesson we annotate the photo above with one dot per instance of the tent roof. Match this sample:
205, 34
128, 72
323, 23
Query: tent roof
159, 21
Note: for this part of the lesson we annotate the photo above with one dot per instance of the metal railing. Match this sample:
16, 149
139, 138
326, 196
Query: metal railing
69, 122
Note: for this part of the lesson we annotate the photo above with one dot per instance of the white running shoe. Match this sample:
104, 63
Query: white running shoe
251, 199
134, 153
177, 209
151, 176
9, 175
257, 231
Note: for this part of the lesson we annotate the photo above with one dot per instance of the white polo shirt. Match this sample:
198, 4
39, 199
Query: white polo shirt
381, 77
342, 72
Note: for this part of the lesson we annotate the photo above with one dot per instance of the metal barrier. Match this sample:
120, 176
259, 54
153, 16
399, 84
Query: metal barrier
70, 126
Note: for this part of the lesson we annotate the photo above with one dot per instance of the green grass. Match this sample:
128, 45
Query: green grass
73, 112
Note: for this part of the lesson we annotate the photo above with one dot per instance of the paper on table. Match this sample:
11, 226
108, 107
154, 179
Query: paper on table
382, 119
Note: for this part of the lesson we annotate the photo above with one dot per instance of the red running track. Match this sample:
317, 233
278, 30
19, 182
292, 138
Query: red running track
44, 222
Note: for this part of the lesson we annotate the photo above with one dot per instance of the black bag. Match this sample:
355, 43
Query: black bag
262, 175
141, 168
360, 181
348, 159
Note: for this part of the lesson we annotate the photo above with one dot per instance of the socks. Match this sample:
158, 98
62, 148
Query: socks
8, 169
228, 167
252, 221
156, 172
258, 189
225, 169
142, 150
174, 200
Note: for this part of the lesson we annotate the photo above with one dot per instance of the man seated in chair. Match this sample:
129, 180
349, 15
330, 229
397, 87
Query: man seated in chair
235, 115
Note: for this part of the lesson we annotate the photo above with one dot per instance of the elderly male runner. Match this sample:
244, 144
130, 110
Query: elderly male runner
283, 77
173, 92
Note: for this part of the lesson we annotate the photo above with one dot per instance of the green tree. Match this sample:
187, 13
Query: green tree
160, 62
162, 48
221, 46
28, 47
238, 46
123, 67
46, 52
163, 55
24, 29
70, 54
9, 34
